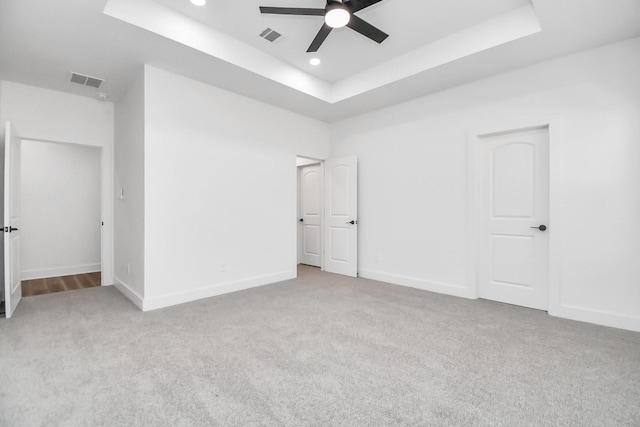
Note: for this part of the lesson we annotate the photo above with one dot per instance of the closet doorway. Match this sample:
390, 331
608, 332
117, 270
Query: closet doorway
328, 214
60, 196
310, 209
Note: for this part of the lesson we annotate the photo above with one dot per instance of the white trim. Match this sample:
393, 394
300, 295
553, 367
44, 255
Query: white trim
412, 282
60, 271
472, 214
298, 214
323, 221
296, 208
555, 193
598, 317
215, 290
128, 292
555, 214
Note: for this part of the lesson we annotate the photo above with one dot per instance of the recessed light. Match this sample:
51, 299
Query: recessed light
314, 61
199, 2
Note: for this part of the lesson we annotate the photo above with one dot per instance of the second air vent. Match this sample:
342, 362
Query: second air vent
86, 80
271, 35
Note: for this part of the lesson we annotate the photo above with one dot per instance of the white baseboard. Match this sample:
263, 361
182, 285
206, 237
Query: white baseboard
597, 317
129, 293
411, 282
581, 314
59, 271
565, 311
214, 290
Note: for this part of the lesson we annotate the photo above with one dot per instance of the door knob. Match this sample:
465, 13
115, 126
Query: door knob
301, 220
541, 227
352, 222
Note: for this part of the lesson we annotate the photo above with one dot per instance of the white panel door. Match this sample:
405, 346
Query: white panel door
310, 215
514, 245
341, 216
12, 283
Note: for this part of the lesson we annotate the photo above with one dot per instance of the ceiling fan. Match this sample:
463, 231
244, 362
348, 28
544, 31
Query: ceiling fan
337, 14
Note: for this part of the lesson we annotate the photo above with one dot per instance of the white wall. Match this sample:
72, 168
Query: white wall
60, 206
129, 176
220, 189
220, 179
42, 114
413, 179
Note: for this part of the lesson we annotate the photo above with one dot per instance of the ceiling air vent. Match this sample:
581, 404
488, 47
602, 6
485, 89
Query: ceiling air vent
86, 80
270, 35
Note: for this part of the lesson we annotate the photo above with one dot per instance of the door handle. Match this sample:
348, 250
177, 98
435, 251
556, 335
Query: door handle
9, 229
301, 220
541, 227
352, 222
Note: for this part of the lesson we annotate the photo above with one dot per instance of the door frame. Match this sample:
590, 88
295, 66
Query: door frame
298, 200
106, 206
297, 207
553, 123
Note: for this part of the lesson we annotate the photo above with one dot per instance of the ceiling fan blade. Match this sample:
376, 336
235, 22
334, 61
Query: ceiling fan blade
356, 5
292, 11
366, 29
320, 38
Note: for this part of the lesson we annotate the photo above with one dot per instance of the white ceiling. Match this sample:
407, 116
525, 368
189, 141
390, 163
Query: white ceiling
433, 45
409, 23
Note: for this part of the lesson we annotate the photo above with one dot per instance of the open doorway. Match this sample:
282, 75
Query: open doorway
328, 214
60, 196
310, 212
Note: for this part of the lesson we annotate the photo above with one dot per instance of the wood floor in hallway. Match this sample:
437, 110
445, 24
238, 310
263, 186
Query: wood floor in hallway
59, 284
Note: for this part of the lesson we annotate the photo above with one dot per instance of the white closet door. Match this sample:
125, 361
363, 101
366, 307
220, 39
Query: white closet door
514, 236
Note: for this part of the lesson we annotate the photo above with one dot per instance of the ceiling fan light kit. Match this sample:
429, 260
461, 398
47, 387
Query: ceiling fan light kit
336, 14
